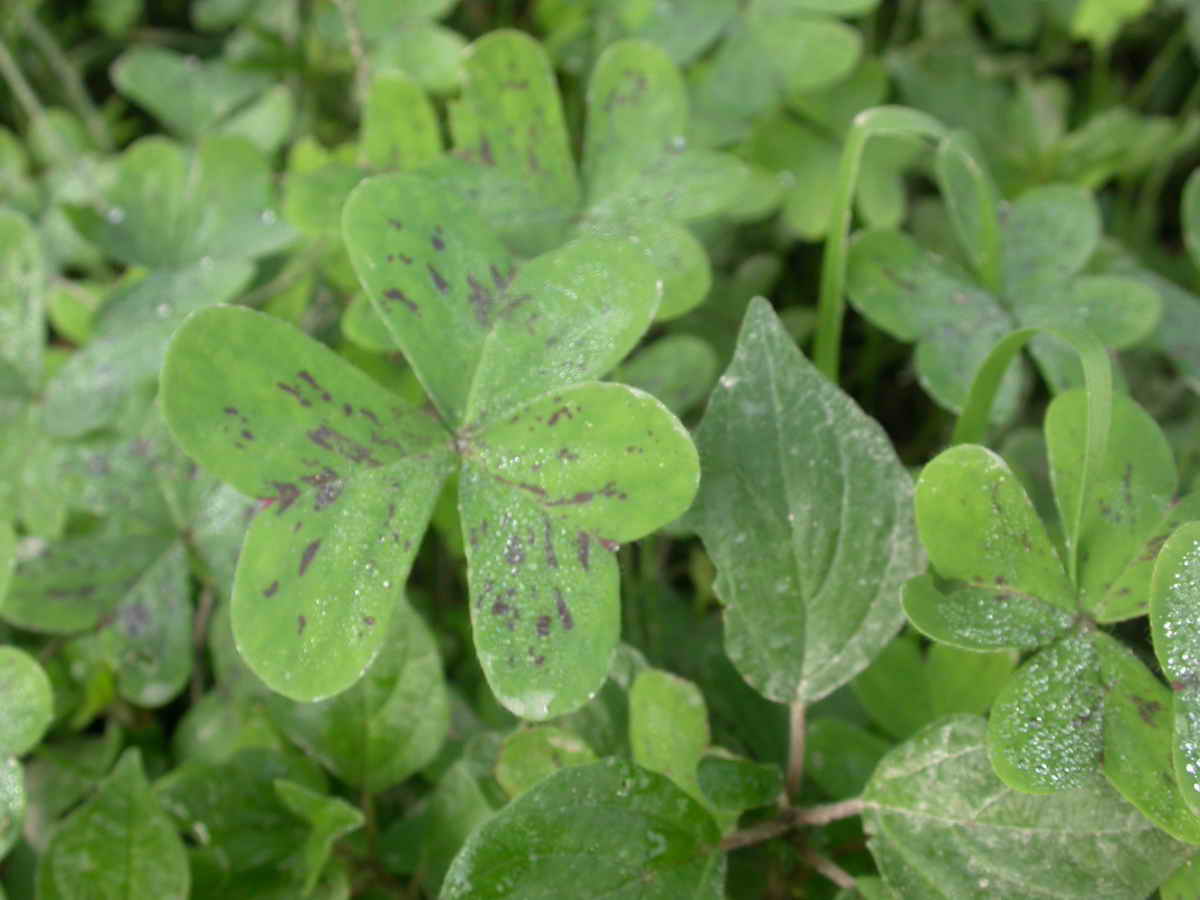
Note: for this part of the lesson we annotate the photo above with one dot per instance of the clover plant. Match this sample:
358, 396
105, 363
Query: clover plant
555, 449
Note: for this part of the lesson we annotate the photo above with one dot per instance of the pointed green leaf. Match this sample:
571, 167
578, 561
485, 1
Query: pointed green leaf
1046, 732
1127, 502
1049, 234
533, 754
1175, 626
1138, 741
982, 618
509, 121
117, 846
636, 161
350, 473
604, 458
642, 836
941, 825
978, 526
386, 726
544, 606
329, 818
171, 206
12, 804
72, 584
23, 277
399, 126
27, 700
812, 537
190, 96
668, 727
99, 381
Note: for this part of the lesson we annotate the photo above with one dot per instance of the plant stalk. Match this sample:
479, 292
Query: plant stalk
795, 771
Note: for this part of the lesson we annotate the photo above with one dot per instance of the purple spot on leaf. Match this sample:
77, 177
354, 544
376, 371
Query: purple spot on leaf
270, 589
309, 552
564, 611
438, 281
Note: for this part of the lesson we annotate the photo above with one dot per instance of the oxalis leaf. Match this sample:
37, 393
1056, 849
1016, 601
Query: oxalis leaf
941, 825
556, 469
640, 835
348, 473
811, 531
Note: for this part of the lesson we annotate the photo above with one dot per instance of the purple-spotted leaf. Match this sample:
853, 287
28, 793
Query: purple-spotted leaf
545, 608
807, 513
605, 458
349, 473
482, 336
509, 120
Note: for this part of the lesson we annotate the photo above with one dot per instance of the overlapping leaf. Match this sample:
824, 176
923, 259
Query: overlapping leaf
812, 533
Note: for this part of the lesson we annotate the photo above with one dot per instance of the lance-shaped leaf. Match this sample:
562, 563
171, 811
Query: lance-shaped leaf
119, 844
22, 298
641, 835
1130, 505
544, 496
811, 529
27, 700
509, 120
1175, 625
388, 724
350, 473
170, 206
941, 825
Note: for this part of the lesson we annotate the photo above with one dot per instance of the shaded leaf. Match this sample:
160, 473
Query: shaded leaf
811, 540
532, 754
23, 275
668, 727
329, 818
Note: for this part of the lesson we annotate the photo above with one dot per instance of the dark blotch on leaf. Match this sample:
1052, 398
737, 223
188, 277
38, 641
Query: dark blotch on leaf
514, 550
309, 552
401, 297
564, 611
548, 544
135, 619
369, 621
286, 494
336, 442
438, 243
301, 623
1148, 710
270, 589
294, 391
312, 383
328, 486
558, 414
585, 543
438, 281
543, 626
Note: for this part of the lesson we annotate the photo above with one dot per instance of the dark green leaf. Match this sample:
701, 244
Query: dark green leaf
329, 818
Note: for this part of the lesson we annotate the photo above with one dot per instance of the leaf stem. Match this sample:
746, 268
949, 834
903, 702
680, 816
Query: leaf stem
199, 640
18, 85
792, 818
828, 868
358, 49
795, 770
68, 74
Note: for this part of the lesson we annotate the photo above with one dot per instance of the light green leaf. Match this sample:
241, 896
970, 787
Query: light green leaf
1049, 234
386, 726
118, 846
329, 817
190, 96
812, 538
23, 277
99, 381
530, 755
399, 127
1128, 502
679, 369
636, 161
642, 836
941, 825
1184, 883
27, 700
978, 526
544, 605
1138, 741
668, 727
350, 471
1098, 21
806, 52
683, 28
171, 206
71, 585
965, 681
970, 198
12, 804
1046, 732
509, 120
1175, 627
430, 54
266, 121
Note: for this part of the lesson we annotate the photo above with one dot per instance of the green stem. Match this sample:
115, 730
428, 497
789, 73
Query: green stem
21, 88
1163, 60
76, 93
795, 772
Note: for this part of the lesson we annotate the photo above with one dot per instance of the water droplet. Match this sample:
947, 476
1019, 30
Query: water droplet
679, 142
162, 310
268, 217
115, 215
